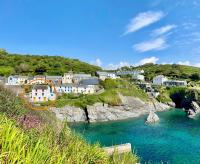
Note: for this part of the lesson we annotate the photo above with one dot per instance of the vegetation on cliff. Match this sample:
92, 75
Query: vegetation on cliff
181, 96
110, 96
35, 64
169, 70
38, 137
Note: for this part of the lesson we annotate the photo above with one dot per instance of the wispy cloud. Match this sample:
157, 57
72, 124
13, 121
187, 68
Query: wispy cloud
184, 63
97, 62
189, 63
142, 20
163, 30
155, 44
148, 60
112, 66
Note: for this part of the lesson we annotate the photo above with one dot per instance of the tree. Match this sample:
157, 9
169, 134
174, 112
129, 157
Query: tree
195, 76
22, 68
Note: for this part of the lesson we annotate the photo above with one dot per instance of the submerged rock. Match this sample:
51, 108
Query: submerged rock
152, 118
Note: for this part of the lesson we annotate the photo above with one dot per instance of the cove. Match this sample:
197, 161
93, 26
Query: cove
175, 139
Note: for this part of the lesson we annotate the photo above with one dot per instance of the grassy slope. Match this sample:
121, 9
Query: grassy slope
24, 140
34, 64
110, 96
174, 70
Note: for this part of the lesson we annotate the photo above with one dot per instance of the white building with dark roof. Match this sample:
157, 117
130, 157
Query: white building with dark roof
106, 75
159, 80
42, 93
64, 88
17, 80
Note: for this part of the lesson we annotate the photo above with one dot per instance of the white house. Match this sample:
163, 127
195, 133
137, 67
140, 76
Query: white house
83, 89
64, 88
138, 77
106, 75
67, 78
159, 80
42, 93
17, 80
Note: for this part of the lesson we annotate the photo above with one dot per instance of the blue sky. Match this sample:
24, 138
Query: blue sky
109, 33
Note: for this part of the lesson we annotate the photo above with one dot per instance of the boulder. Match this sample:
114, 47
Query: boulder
70, 114
171, 104
193, 112
152, 118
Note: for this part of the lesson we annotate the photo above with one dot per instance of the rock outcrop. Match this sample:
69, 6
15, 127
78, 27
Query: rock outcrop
194, 111
131, 107
70, 114
152, 118
171, 104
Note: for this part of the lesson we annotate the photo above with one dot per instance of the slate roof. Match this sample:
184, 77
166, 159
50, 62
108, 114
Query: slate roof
53, 77
41, 87
92, 81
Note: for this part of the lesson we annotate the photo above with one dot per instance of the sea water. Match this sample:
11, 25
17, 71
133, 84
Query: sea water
174, 139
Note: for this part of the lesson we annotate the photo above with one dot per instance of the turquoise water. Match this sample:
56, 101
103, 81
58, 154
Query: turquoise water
175, 139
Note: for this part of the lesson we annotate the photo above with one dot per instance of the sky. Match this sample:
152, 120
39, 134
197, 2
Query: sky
107, 33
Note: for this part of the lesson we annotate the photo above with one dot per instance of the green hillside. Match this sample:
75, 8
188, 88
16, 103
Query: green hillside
174, 71
35, 64
28, 136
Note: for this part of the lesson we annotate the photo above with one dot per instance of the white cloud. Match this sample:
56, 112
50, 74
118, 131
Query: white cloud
197, 65
156, 44
112, 66
97, 62
148, 60
189, 63
184, 63
142, 20
164, 29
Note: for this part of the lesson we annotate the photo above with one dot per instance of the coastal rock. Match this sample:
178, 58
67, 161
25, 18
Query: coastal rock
152, 118
193, 112
70, 114
195, 107
131, 107
171, 104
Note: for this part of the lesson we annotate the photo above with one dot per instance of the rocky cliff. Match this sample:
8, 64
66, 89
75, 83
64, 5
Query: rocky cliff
131, 107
